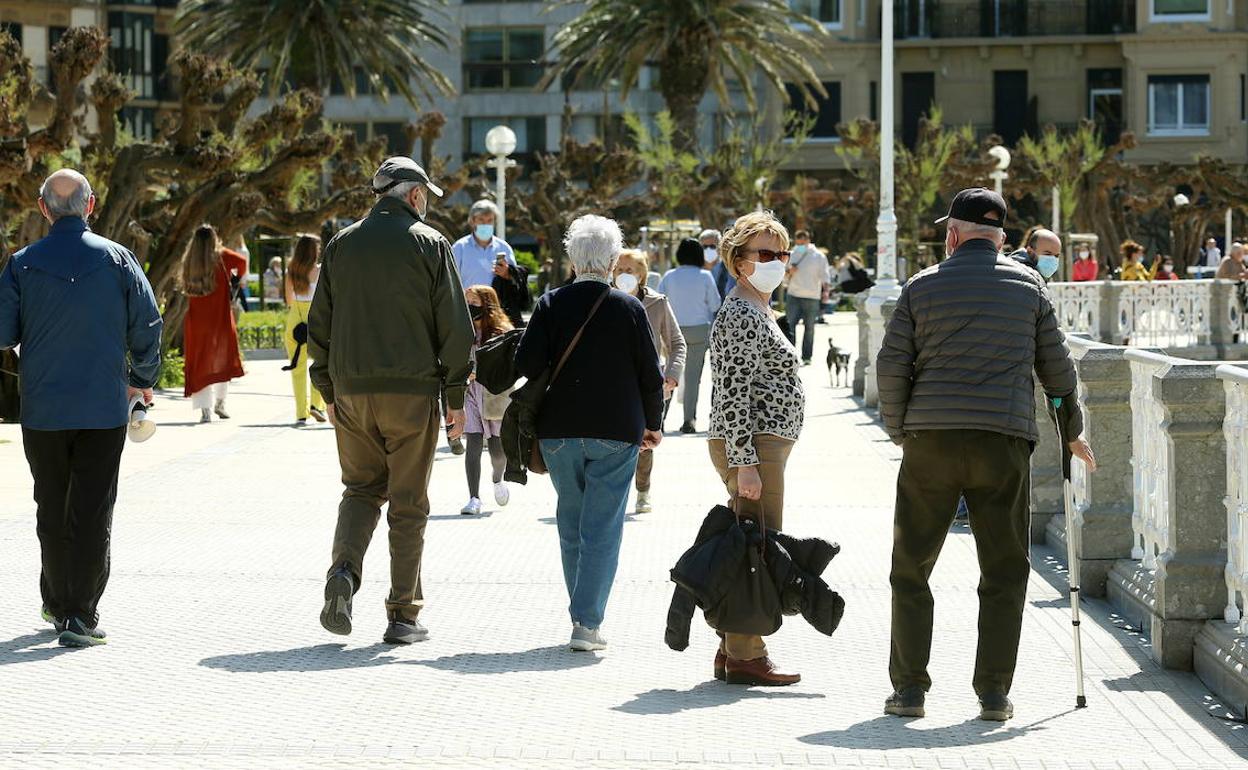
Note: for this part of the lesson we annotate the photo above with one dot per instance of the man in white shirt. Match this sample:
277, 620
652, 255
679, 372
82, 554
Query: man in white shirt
808, 272
477, 254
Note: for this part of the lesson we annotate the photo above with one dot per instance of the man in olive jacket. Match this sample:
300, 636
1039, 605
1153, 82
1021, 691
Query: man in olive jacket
388, 329
956, 391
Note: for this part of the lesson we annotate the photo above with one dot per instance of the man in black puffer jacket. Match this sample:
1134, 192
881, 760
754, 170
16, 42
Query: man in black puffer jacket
956, 391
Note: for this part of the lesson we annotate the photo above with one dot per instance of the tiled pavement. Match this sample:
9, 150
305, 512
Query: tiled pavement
217, 659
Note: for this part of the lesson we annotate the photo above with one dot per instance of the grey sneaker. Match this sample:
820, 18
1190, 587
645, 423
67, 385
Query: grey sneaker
995, 707
58, 624
404, 631
906, 703
586, 639
336, 615
78, 634
220, 410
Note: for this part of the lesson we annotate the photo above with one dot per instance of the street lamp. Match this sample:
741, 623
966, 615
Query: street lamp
1002, 157
500, 142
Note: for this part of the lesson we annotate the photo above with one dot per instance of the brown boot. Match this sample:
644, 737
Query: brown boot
721, 661
760, 671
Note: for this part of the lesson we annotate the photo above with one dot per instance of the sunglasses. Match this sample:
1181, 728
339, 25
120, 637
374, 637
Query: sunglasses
767, 255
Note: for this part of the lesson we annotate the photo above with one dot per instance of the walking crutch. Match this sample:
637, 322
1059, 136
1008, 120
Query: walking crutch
1061, 407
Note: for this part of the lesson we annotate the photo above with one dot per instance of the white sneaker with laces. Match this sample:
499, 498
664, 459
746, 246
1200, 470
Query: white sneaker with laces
502, 493
473, 508
643, 502
586, 639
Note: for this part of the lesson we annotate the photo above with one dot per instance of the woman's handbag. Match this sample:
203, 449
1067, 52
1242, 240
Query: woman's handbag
537, 463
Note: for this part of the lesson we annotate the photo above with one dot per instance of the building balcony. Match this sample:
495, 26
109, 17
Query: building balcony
943, 19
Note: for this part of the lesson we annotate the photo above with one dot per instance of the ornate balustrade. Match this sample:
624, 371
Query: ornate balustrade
1078, 307
1168, 314
1235, 428
1150, 511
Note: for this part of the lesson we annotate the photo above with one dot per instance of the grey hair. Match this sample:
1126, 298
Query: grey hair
483, 206
401, 190
593, 243
710, 234
73, 204
976, 230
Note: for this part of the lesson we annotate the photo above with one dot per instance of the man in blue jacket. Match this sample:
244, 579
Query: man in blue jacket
89, 329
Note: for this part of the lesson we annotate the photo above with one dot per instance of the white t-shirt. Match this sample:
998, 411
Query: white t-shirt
810, 272
1213, 256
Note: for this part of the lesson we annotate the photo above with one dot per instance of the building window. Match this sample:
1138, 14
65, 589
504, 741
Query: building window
130, 50
828, 12
1105, 106
395, 133
1180, 10
530, 134
139, 122
1178, 105
497, 58
827, 110
363, 86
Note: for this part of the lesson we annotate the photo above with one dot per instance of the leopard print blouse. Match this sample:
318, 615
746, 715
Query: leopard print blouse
756, 386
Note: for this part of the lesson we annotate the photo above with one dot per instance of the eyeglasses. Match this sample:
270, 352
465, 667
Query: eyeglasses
767, 255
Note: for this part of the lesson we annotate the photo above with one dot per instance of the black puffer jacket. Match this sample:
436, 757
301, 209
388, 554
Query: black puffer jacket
962, 344
709, 576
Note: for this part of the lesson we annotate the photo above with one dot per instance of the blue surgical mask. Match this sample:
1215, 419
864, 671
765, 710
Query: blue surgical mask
483, 232
1047, 264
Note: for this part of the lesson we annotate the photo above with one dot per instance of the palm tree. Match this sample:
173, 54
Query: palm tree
695, 45
310, 43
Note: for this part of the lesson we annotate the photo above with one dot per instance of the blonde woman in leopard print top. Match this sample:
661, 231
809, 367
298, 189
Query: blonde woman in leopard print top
757, 407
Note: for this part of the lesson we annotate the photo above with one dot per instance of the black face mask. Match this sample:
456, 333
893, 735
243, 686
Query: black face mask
477, 312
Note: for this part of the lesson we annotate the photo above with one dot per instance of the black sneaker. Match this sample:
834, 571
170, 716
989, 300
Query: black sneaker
907, 703
404, 631
688, 428
58, 624
336, 615
995, 707
457, 446
78, 634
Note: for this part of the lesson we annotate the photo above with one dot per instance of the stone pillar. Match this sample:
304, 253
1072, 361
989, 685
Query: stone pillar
864, 345
1222, 331
877, 323
1104, 500
1107, 317
1187, 588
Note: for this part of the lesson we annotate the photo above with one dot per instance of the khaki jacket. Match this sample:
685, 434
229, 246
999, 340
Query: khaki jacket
669, 343
389, 315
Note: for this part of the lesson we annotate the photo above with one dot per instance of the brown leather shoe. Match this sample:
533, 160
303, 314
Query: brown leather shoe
760, 671
721, 661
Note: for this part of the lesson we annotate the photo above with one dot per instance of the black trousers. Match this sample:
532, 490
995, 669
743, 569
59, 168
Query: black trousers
992, 470
75, 474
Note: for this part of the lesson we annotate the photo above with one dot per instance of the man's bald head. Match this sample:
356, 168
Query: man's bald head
66, 193
1044, 241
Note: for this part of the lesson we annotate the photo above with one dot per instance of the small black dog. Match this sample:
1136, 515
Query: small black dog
838, 366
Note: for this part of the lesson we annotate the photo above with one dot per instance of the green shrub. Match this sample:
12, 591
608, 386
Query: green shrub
262, 318
527, 260
172, 370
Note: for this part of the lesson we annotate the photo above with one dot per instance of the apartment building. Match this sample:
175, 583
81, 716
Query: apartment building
1171, 71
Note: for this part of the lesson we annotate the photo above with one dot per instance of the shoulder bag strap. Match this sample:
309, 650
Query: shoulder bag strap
572, 345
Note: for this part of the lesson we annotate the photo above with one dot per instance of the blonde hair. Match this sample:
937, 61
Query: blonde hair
743, 231
639, 258
199, 263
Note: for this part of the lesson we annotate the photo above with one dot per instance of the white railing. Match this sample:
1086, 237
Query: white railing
1165, 313
1150, 461
1235, 427
1078, 307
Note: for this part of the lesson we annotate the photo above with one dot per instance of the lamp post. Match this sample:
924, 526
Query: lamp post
886, 288
500, 142
998, 175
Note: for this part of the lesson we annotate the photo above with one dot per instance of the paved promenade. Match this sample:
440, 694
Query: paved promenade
216, 657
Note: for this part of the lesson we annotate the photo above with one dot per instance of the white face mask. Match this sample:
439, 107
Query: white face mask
767, 276
710, 254
626, 282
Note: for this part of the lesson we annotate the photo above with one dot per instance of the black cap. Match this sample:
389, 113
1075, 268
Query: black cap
398, 169
979, 205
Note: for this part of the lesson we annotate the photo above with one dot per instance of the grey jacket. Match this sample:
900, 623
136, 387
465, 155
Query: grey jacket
669, 343
962, 344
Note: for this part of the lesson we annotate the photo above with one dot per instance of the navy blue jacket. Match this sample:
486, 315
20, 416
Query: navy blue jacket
87, 321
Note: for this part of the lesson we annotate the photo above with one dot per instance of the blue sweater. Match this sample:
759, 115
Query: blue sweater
87, 322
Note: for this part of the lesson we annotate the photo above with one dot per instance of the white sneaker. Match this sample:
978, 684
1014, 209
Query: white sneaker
586, 639
643, 502
205, 415
502, 493
473, 508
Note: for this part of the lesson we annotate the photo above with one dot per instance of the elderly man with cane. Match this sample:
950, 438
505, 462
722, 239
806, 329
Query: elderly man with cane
955, 385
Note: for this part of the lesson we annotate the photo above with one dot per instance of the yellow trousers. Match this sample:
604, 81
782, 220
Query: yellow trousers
298, 314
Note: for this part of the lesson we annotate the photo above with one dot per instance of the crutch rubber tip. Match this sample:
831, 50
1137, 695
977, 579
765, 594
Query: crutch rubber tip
1081, 702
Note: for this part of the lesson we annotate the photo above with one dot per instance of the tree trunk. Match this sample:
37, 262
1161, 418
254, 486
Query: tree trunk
684, 72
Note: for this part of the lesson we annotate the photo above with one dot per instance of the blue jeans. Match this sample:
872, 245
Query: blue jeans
592, 478
808, 311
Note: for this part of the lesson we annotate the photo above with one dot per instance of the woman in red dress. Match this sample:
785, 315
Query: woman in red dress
210, 337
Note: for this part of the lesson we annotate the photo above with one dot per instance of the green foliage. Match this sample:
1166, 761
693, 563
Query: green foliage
260, 318
527, 260
1063, 160
172, 370
669, 169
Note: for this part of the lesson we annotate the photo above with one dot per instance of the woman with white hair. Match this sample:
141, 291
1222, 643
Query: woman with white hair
604, 404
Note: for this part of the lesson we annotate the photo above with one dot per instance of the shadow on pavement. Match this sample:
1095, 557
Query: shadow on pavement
319, 657
888, 732
22, 649
554, 658
461, 516
704, 695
